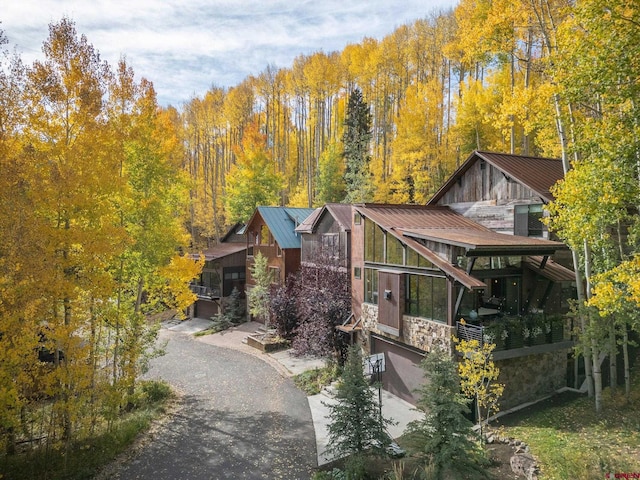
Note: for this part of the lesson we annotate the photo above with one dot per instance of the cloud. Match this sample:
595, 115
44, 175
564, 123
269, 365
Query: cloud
185, 47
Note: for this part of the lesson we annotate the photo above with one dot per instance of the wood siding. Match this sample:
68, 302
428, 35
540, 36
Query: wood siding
390, 301
487, 196
312, 242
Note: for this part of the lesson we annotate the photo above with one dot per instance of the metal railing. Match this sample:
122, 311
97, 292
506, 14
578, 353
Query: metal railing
205, 292
470, 332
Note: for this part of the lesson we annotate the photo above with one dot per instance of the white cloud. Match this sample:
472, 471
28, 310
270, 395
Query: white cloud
184, 47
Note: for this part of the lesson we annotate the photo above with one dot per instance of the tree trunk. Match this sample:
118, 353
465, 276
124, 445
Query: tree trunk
613, 353
597, 375
625, 355
597, 371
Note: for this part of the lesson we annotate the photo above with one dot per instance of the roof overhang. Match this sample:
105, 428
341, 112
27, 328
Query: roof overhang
549, 269
479, 243
219, 251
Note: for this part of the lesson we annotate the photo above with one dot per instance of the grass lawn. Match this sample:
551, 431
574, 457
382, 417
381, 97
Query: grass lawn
571, 442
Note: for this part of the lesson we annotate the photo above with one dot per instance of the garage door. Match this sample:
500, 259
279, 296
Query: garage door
402, 368
205, 309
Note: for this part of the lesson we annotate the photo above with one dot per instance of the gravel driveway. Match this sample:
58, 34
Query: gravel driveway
238, 419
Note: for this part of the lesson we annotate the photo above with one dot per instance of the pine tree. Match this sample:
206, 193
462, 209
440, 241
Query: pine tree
444, 436
356, 424
356, 140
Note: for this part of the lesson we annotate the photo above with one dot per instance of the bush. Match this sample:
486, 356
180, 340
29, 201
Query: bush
156, 391
312, 381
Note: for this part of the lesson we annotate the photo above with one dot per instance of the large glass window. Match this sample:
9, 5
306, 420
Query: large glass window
395, 251
371, 285
426, 297
415, 260
373, 242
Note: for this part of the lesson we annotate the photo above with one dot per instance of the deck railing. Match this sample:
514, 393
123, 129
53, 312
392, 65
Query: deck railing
205, 292
513, 332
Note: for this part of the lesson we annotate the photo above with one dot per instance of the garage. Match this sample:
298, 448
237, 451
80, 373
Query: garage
205, 308
402, 373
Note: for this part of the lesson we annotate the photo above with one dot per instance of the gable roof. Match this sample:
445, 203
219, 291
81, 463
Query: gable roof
537, 173
282, 222
237, 230
307, 224
340, 212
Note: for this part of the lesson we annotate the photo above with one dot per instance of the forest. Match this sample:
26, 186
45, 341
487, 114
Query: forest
101, 189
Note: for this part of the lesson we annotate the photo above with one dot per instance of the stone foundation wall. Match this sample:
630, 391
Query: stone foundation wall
529, 378
525, 378
417, 332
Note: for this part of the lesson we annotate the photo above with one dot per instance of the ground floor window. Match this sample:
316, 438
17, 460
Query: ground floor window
371, 285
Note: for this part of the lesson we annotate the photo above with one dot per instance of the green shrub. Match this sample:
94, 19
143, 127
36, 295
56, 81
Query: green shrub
156, 391
312, 381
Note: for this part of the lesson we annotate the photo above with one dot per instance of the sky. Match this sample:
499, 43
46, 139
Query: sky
186, 47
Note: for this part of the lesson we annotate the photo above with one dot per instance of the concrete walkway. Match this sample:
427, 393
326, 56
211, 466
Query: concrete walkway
287, 365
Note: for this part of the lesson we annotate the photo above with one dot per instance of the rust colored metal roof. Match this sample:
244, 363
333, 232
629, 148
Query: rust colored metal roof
341, 213
552, 270
307, 224
479, 242
219, 251
537, 173
416, 216
450, 270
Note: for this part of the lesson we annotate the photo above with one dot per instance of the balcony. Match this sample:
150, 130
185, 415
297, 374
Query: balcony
516, 336
205, 292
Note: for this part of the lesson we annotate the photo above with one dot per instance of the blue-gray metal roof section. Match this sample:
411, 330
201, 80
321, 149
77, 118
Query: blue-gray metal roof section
282, 222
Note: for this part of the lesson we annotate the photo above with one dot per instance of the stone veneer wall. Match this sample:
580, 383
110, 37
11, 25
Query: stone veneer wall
531, 377
526, 378
417, 332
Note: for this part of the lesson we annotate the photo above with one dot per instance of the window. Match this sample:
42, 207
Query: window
331, 244
527, 220
357, 273
275, 274
395, 251
371, 286
357, 218
264, 235
416, 260
426, 297
373, 242
250, 243
278, 250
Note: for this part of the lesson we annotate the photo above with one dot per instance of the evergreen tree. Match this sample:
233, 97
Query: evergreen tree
356, 424
444, 436
356, 140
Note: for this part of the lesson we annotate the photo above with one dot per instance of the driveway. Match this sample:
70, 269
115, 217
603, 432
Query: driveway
238, 418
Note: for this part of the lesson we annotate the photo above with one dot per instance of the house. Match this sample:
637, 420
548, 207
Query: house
326, 234
272, 232
224, 269
418, 271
